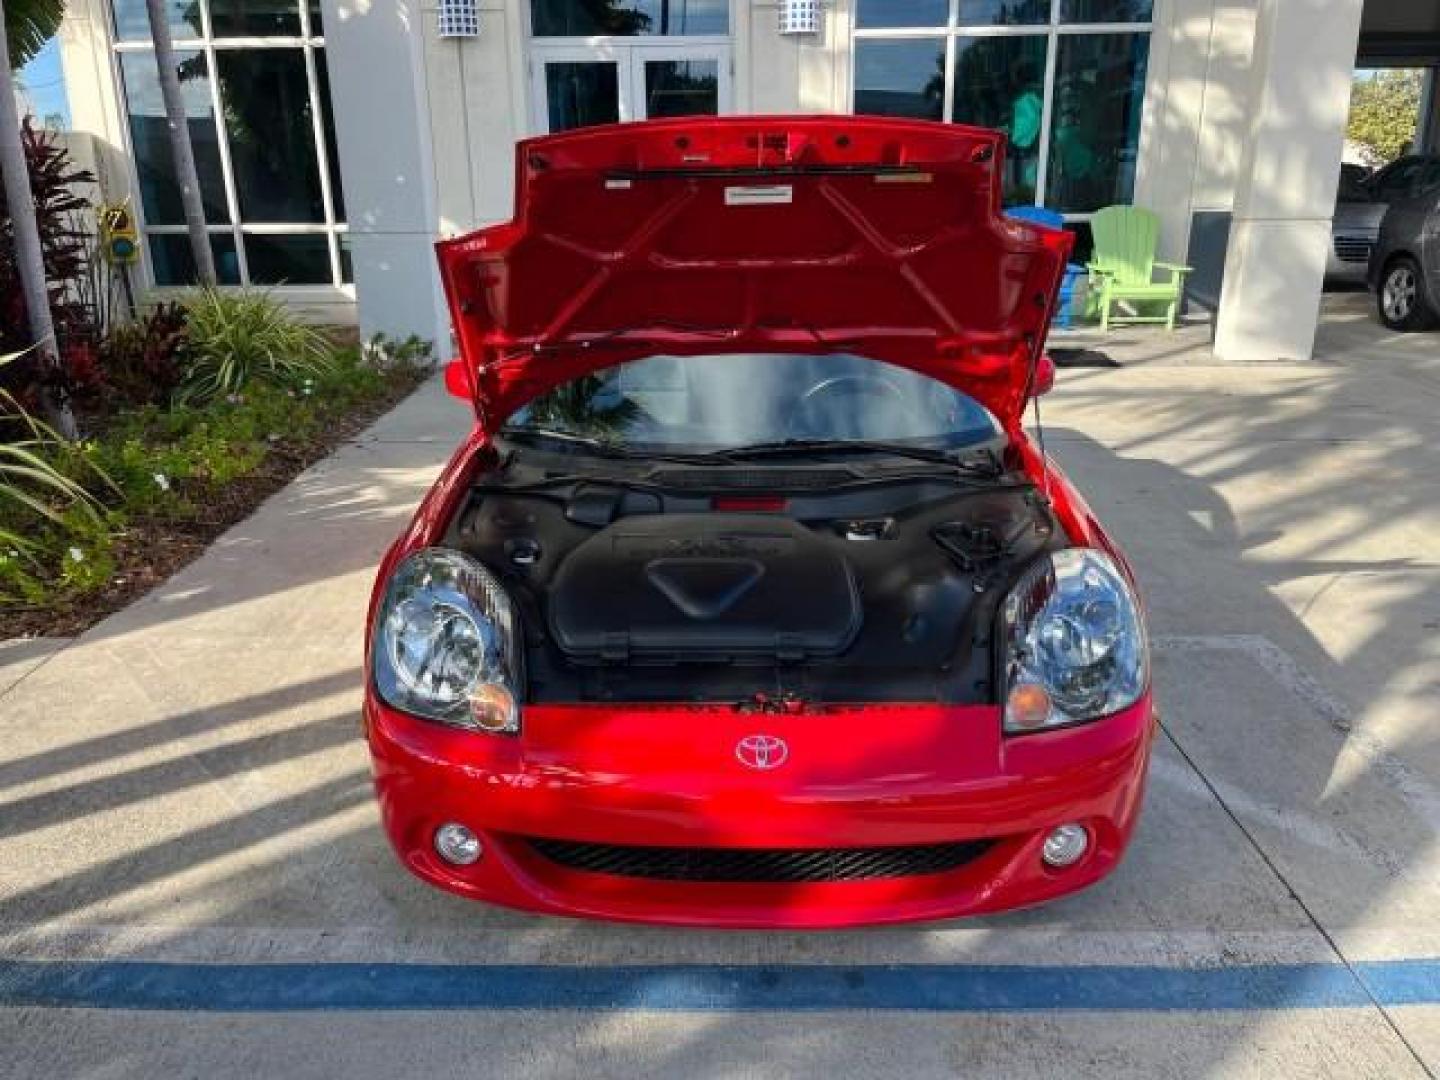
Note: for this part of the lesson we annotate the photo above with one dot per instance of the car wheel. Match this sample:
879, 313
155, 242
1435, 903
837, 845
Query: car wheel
1402, 302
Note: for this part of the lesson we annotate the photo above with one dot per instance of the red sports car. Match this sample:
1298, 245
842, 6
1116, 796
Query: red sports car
749, 601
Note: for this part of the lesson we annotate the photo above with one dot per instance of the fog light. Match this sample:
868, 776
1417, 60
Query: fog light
1065, 846
457, 845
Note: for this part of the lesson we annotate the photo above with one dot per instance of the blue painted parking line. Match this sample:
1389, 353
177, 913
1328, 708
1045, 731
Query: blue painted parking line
291, 987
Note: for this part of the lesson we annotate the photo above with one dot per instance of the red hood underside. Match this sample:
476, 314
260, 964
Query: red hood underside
755, 234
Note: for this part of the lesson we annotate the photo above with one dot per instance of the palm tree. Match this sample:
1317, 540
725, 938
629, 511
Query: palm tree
26, 26
29, 24
180, 149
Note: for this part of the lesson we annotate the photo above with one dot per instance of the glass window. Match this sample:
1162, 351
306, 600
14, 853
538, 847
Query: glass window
1096, 85
904, 77
1102, 11
1397, 180
582, 93
132, 23
150, 136
1430, 181
327, 122
173, 263
1095, 134
1000, 83
707, 403
682, 88
255, 18
267, 121
898, 13
1004, 12
347, 259
272, 140
628, 18
288, 260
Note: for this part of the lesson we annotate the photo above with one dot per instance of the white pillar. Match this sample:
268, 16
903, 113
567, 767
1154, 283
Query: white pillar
375, 54
1299, 102
1428, 133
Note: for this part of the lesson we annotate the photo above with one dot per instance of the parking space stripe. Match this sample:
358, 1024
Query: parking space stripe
288, 987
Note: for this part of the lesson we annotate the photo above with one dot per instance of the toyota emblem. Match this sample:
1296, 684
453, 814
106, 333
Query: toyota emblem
762, 752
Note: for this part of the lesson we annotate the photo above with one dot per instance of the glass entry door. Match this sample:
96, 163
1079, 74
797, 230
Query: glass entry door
606, 83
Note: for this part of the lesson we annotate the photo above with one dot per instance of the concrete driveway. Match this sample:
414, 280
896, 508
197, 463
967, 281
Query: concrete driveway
193, 880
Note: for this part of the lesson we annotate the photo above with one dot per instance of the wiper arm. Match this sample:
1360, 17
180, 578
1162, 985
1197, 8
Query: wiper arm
783, 447
599, 448
585, 442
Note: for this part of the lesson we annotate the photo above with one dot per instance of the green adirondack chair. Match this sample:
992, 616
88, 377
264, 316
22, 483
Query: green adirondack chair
1123, 267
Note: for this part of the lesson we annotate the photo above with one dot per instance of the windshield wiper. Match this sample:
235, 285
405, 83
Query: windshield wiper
784, 447
589, 444
585, 442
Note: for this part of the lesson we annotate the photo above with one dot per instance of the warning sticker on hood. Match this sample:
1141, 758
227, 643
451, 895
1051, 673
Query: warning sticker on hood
759, 195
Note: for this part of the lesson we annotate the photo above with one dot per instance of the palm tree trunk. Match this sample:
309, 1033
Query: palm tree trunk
180, 148
29, 259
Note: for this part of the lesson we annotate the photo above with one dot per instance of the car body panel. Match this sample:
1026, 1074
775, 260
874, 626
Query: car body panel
1355, 229
862, 774
856, 775
874, 236
881, 776
1352, 238
1411, 227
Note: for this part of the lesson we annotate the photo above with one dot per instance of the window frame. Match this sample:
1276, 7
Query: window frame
209, 46
1052, 31
630, 53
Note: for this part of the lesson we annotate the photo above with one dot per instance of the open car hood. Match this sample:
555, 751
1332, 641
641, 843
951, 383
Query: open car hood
878, 237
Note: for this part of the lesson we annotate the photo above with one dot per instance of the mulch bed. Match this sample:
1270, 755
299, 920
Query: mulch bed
148, 552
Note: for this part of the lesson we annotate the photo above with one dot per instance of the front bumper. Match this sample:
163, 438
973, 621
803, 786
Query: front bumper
860, 776
1348, 259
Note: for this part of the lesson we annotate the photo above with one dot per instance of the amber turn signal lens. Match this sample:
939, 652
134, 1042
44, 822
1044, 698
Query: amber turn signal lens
1028, 707
492, 707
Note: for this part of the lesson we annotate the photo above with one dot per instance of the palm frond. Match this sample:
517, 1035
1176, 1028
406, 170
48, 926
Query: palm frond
29, 24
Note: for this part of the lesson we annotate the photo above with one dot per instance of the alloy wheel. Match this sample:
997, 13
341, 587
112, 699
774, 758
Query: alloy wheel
1399, 294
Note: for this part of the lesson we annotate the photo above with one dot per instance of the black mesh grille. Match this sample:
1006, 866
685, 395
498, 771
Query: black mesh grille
732, 865
1352, 249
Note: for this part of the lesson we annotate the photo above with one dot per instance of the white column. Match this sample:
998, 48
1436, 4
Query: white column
375, 54
1299, 102
1429, 129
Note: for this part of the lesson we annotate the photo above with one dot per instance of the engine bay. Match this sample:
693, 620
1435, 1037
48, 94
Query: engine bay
820, 583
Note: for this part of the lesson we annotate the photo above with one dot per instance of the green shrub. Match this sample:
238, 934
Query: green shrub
142, 362
410, 355
41, 505
165, 463
237, 339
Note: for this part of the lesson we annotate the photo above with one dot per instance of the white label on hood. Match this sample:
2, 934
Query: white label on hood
759, 195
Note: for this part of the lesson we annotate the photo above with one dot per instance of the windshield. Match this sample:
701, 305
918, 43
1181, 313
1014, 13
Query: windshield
726, 402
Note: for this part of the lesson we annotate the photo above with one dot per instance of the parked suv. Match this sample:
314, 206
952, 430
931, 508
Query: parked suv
1405, 265
1361, 208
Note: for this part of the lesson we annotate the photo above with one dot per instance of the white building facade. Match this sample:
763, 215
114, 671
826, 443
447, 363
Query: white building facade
337, 139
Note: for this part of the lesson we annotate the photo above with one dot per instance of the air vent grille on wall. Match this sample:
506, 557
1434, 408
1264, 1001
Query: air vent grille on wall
459, 19
799, 16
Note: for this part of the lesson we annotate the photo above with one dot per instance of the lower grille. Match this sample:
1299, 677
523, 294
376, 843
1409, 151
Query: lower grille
736, 865
1349, 249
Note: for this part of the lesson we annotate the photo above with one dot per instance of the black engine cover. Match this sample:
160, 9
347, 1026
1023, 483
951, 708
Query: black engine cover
717, 588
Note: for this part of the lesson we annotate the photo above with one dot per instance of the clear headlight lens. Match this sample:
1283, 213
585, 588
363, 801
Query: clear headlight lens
446, 645
1075, 647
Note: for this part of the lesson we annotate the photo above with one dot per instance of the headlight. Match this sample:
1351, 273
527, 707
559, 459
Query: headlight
445, 644
1074, 645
